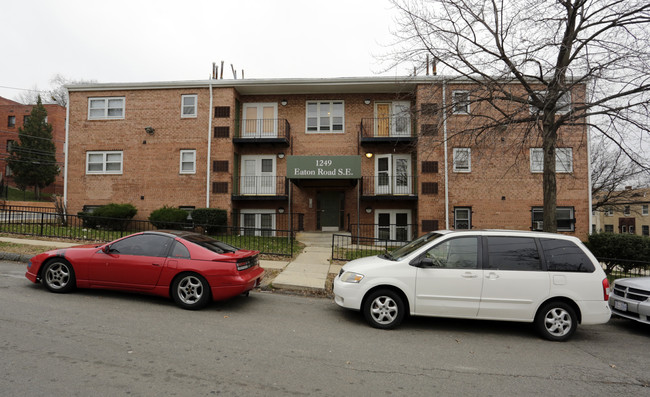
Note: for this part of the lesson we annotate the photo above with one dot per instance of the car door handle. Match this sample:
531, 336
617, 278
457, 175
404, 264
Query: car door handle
156, 264
469, 275
492, 276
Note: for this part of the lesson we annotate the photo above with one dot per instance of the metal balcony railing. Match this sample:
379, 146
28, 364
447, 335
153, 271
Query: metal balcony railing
260, 186
255, 129
389, 128
382, 185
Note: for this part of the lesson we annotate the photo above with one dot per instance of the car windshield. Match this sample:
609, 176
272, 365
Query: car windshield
210, 243
407, 249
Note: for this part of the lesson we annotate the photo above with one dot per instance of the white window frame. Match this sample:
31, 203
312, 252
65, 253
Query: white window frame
105, 155
392, 187
193, 107
399, 112
262, 127
106, 108
456, 160
393, 223
644, 209
258, 220
319, 109
563, 104
563, 160
184, 160
258, 185
540, 210
460, 106
468, 219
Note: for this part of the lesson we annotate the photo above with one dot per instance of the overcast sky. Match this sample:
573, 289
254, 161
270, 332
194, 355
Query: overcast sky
163, 40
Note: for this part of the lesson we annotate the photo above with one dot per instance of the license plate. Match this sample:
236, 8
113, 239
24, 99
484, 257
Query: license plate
622, 306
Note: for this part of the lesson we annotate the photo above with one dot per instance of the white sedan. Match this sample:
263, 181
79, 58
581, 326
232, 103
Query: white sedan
630, 298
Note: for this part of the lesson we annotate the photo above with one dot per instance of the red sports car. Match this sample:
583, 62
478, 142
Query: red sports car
190, 267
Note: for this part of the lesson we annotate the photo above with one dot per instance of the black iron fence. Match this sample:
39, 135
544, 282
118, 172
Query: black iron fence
347, 247
396, 233
263, 129
261, 186
102, 229
389, 185
388, 127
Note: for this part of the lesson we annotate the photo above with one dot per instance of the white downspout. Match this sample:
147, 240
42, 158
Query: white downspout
65, 150
444, 129
207, 165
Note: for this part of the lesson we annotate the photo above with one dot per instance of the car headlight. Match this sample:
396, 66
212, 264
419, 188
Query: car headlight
351, 277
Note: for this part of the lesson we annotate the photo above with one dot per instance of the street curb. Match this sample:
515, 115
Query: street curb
10, 256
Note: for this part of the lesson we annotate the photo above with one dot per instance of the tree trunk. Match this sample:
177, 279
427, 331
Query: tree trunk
549, 139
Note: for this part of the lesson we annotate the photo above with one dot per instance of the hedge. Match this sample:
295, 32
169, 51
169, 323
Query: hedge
628, 251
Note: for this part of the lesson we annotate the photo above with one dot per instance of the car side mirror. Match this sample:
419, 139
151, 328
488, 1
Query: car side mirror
422, 262
106, 249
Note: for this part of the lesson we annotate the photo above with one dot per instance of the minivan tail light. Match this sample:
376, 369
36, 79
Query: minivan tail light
606, 288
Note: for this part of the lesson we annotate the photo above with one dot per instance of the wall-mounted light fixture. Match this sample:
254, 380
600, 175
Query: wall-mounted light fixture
281, 210
280, 155
366, 101
369, 155
368, 210
284, 102
149, 130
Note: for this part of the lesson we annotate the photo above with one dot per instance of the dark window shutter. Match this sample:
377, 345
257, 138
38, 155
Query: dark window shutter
429, 167
220, 166
219, 187
429, 225
221, 111
222, 132
429, 129
429, 187
430, 109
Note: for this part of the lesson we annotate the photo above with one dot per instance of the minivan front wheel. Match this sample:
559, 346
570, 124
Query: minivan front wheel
384, 309
556, 321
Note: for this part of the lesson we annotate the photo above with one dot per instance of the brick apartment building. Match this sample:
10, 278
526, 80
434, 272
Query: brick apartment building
367, 155
12, 117
627, 213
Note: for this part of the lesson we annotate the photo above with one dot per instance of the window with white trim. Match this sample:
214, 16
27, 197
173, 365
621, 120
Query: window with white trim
188, 106
562, 106
462, 160
260, 120
257, 222
258, 175
105, 108
644, 209
462, 218
325, 116
104, 162
563, 160
393, 225
564, 215
393, 174
188, 162
460, 102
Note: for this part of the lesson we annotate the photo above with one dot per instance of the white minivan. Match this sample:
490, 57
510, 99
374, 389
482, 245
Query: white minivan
550, 280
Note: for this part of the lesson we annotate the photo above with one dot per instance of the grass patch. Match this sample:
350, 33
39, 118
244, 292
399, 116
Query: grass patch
14, 194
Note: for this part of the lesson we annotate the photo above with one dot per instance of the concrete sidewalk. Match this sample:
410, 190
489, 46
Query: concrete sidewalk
309, 270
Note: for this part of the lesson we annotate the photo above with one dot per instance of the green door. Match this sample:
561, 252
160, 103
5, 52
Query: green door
329, 206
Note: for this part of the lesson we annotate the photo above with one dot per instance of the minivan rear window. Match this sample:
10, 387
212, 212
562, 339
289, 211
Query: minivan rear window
565, 256
512, 253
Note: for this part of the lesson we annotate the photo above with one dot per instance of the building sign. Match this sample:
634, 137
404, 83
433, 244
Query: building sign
324, 167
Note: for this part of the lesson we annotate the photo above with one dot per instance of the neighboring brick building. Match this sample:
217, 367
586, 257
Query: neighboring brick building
12, 117
364, 154
627, 212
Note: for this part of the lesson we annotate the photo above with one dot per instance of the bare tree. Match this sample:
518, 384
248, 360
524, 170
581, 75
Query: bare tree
58, 93
28, 97
551, 50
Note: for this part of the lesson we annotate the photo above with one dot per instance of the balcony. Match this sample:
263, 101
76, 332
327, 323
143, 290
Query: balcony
276, 131
385, 187
260, 188
388, 130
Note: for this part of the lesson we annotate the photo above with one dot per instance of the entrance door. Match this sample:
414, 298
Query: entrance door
258, 175
383, 119
329, 210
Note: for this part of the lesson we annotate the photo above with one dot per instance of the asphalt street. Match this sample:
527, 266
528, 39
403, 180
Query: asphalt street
109, 343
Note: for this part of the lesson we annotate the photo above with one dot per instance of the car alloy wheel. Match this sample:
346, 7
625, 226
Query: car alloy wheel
191, 291
556, 321
58, 276
384, 309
